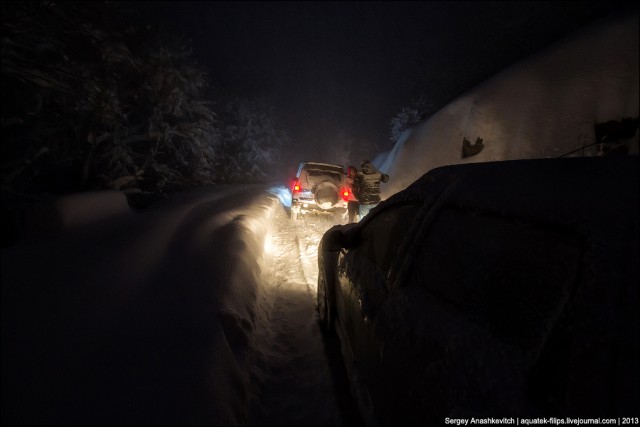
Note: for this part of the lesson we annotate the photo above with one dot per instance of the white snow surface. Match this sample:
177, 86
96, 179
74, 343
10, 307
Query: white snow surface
544, 106
201, 309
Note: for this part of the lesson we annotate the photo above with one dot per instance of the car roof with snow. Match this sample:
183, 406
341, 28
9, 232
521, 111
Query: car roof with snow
567, 190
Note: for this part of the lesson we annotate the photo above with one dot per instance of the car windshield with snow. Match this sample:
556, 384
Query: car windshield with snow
319, 188
503, 288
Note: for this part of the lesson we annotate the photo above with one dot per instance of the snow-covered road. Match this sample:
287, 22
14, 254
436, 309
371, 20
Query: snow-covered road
291, 379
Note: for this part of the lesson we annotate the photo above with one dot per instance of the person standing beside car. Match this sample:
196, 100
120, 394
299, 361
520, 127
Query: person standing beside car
366, 187
352, 202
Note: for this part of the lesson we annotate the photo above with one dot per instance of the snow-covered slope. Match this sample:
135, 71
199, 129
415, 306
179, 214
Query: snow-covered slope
545, 106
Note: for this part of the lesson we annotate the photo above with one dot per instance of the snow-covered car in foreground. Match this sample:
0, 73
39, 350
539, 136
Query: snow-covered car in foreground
504, 289
319, 188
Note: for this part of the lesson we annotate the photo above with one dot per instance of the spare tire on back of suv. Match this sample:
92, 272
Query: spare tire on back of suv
326, 194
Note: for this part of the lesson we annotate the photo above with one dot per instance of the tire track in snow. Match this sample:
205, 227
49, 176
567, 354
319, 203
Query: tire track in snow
291, 378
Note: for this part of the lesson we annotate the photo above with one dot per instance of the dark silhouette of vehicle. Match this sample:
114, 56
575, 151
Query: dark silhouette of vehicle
503, 289
318, 188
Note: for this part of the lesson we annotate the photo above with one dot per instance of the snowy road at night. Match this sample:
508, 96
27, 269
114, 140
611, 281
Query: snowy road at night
291, 381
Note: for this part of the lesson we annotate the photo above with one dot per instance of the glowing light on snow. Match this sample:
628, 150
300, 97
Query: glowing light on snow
268, 244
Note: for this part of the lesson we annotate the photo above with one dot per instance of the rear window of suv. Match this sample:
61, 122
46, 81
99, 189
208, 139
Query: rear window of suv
313, 173
330, 173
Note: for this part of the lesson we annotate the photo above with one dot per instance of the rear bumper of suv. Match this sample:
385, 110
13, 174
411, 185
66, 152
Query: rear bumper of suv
302, 206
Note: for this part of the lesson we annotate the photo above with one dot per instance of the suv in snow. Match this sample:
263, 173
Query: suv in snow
320, 188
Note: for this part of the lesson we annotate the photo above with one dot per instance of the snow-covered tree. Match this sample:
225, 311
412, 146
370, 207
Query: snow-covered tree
92, 101
252, 144
410, 116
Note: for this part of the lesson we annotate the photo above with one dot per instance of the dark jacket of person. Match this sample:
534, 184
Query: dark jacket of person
366, 185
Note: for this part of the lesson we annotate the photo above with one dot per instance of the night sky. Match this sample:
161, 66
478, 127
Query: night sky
337, 72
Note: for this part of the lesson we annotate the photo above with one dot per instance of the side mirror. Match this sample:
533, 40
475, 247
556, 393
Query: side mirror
332, 240
338, 237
